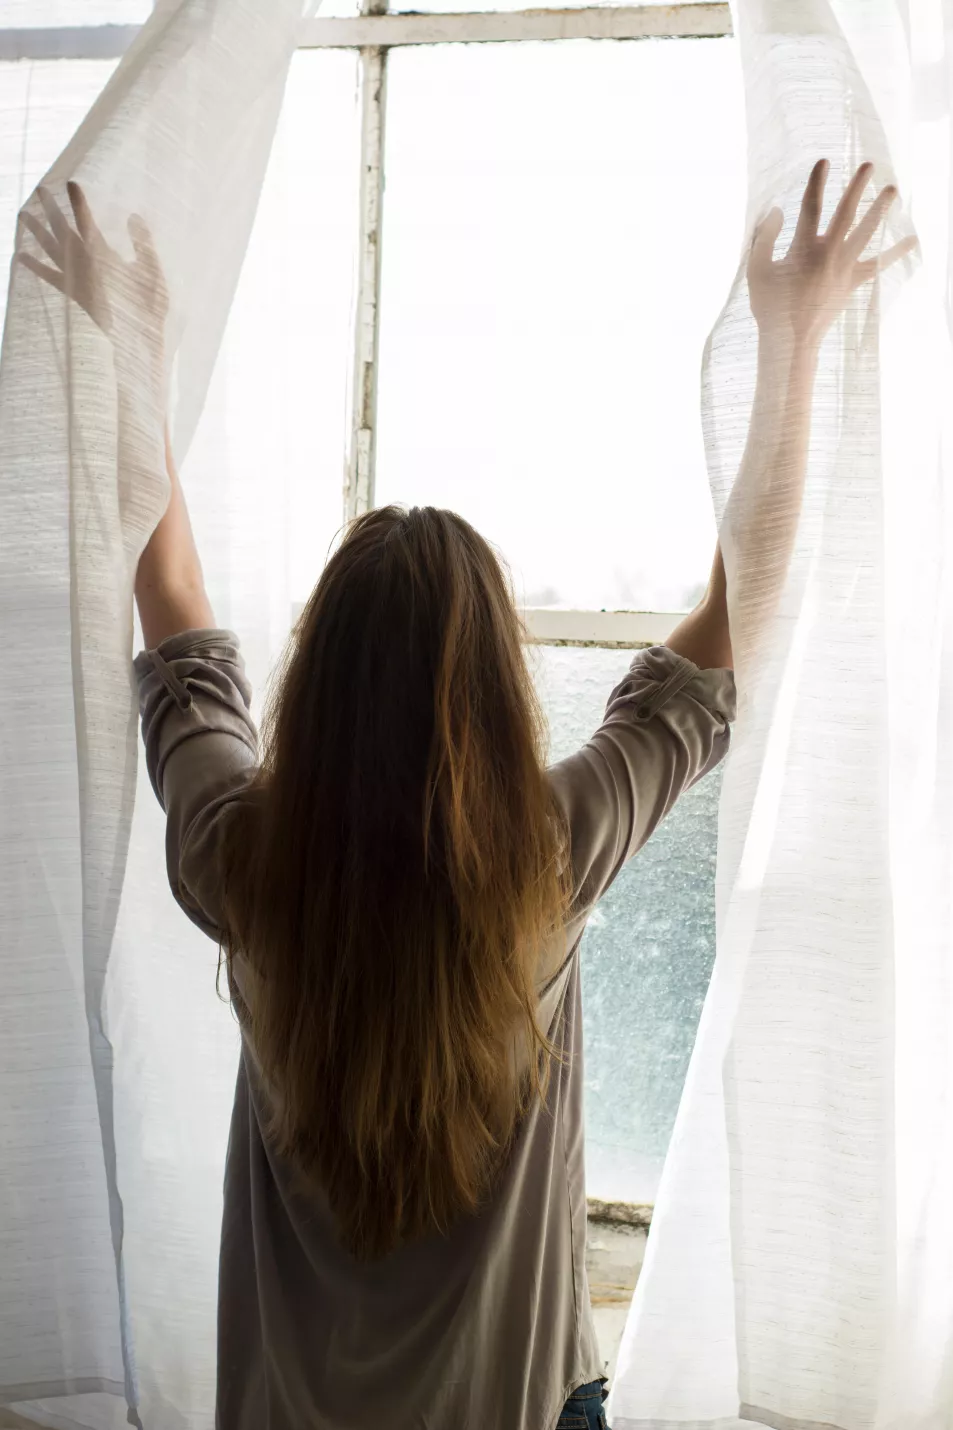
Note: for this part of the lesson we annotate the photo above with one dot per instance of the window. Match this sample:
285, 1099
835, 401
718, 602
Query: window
285, 421
515, 332
646, 954
540, 341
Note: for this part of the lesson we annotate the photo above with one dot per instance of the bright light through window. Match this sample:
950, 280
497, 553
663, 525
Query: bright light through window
556, 249
274, 431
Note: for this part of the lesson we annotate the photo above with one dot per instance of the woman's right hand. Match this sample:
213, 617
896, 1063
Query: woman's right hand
803, 294
127, 300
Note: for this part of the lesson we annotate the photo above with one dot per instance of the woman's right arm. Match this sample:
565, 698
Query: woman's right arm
665, 726
129, 301
667, 723
170, 587
795, 300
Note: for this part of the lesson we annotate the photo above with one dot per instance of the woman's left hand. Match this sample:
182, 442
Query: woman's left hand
127, 300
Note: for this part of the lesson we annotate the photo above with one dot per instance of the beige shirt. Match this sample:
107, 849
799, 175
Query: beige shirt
490, 1327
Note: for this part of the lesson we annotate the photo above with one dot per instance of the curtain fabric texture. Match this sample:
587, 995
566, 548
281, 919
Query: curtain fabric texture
116, 1060
800, 1266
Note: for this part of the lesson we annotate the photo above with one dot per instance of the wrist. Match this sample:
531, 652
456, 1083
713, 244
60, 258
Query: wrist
139, 365
784, 341
787, 365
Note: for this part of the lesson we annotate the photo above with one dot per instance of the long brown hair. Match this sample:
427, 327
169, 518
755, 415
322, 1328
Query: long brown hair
398, 875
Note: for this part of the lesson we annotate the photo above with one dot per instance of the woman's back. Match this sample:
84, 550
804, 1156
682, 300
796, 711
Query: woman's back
401, 867
486, 1325
487, 1321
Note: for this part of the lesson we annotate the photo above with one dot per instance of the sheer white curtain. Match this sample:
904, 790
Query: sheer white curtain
116, 1060
800, 1266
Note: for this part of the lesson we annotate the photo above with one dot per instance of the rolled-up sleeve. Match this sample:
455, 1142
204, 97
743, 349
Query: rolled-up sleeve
665, 726
201, 753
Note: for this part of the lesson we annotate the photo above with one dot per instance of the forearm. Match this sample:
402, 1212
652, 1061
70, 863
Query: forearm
764, 508
170, 587
763, 511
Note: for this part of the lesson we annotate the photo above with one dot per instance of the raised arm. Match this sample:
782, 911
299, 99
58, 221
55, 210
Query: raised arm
201, 743
794, 300
170, 587
128, 301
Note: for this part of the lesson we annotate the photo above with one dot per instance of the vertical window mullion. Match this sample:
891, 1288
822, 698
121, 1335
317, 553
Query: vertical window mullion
362, 451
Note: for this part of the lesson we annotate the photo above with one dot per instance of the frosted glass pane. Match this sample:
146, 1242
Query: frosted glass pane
646, 955
561, 225
274, 433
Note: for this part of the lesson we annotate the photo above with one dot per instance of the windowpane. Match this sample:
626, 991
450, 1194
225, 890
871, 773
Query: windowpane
561, 225
265, 473
646, 955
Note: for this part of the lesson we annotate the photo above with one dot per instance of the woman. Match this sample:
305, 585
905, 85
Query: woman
400, 889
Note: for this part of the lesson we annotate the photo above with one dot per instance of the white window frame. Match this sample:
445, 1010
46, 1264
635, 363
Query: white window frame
607, 630
373, 33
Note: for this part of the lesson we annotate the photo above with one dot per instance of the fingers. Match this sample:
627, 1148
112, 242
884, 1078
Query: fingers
54, 217
872, 219
766, 236
809, 218
49, 275
846, 211
86, 225
47, 242
870, 267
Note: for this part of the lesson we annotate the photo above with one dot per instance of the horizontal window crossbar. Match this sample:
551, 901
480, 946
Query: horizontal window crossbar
708, 19
611, 629
629, 1214
603, 22
632, 630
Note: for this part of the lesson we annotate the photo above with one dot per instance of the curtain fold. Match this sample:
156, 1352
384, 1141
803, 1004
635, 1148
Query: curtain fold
800, 1266
108, 1219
